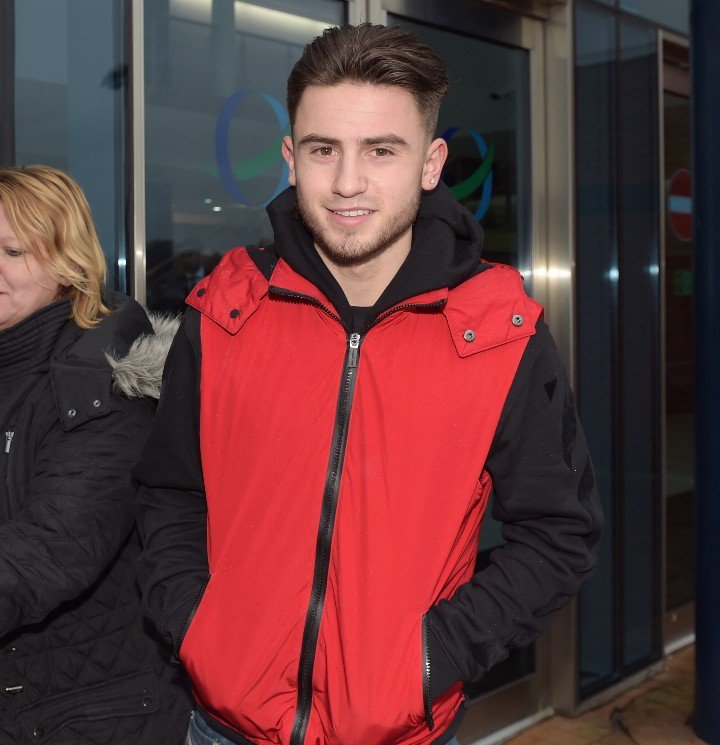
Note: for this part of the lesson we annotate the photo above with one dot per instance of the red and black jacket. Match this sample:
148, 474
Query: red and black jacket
312, 494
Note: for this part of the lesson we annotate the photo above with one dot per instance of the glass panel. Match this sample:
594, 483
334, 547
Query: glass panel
639, 341
672, 13
215, 116
486, 121
679, 369
597, 278
69, 112
618, 336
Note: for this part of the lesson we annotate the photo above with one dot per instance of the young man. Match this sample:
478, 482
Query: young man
336, 410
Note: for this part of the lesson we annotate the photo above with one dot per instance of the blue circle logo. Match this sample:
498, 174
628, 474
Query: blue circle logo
481, 178
256, 165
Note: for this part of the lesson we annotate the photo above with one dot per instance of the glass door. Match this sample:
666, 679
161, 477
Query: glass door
679, 468
486, 121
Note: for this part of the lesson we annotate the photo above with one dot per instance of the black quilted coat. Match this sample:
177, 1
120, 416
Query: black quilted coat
77, 665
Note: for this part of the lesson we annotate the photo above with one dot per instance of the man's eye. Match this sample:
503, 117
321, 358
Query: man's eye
381, 152
325, 150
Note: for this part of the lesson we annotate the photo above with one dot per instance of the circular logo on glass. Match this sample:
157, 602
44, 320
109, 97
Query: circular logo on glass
256, 165
481, 178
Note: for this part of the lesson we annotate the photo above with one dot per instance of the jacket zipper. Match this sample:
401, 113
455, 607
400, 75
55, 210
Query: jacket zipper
324, 540
8, 440
427, 701
329, 505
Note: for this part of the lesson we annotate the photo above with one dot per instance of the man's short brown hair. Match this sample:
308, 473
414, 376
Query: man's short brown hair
377, 55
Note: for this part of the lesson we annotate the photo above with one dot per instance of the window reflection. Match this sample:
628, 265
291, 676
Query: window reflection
486, 122
69, 105
215, 116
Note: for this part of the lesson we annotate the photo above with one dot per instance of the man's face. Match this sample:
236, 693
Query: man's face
359, 157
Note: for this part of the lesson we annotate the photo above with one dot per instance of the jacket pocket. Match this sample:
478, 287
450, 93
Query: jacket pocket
192, 612
427, 702
129, 695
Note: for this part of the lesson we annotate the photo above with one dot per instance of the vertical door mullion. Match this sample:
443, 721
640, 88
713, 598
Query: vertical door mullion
136, 232
7, 82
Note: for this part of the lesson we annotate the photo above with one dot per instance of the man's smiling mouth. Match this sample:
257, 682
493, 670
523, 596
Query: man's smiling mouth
352, 213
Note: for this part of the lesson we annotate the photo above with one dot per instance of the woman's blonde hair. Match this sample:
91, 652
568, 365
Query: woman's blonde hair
47, 210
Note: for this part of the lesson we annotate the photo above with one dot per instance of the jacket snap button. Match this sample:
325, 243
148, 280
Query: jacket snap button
518, 320
469, 335
201, 292
147, 701
96, 403
72, 413
38, 732
234, 313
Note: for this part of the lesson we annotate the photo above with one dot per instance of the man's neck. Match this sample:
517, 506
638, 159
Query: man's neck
364, 283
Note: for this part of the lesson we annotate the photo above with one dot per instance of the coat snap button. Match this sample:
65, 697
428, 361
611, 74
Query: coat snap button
469, 335
96, 403
38, 732
201, 292
234, 313
147, 701
72, 413
518, 320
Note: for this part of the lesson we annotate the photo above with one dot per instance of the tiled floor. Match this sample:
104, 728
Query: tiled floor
656, 713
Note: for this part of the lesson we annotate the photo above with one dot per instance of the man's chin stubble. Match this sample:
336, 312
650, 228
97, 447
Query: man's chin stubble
351, 252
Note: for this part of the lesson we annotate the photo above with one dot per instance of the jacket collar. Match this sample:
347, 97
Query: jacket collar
444, 270
485, 311
80, 373
26, 347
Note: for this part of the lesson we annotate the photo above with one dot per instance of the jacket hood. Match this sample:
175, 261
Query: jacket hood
139, 372
446, 249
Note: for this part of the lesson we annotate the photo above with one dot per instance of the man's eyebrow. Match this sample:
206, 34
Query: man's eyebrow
384, 139
317, 139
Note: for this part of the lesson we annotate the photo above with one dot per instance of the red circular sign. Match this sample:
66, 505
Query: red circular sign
679, 204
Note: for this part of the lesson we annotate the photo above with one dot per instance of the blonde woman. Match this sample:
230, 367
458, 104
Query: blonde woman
78, 365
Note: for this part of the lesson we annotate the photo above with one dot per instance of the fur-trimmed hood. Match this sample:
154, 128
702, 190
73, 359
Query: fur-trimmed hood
139, 372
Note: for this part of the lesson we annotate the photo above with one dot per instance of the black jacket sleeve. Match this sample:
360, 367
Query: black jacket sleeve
172, 511
77, 511
546, 499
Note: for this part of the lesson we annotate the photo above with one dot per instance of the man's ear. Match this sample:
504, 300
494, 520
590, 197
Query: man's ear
435, 158
289, 155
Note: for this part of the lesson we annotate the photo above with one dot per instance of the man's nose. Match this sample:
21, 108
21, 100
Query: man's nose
349, 177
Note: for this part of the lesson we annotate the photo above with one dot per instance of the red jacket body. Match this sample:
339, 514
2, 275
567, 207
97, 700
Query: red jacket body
345, 488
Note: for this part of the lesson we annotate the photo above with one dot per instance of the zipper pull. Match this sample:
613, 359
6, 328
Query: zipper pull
354, 350
8, 440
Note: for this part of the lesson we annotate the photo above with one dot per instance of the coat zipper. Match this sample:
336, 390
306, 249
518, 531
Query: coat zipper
427, 701
324, 540
8, 440
329, 505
